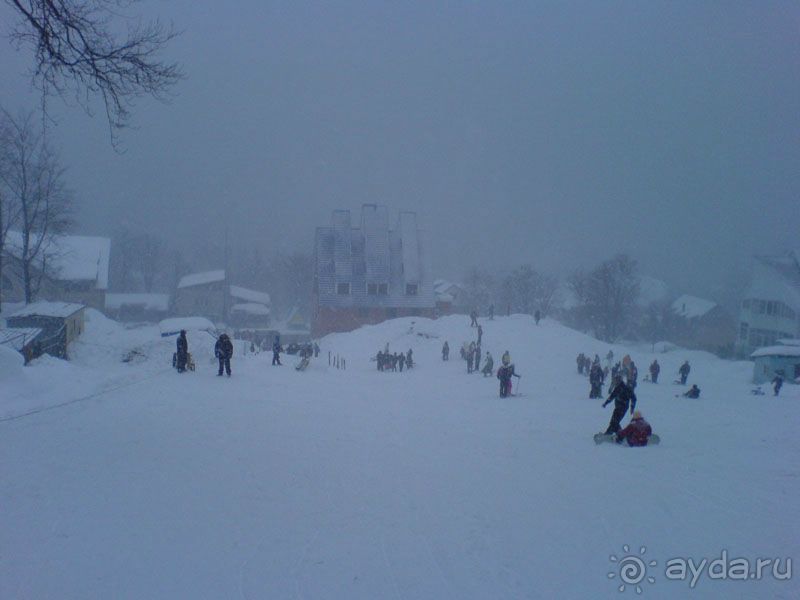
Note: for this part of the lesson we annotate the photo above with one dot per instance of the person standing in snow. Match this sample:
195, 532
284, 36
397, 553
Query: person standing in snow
655, 369
476, 367
684, 372
579, 360
491, 312
488, 366
316, 350
474, 316
223, 350
480, 334
470, 357
777, 382
610, 359
402, 361
537, 316
637, 432
504, 374
182, 352
409, 361
446, 351
623, 397
596, 380
276, 352
633, 375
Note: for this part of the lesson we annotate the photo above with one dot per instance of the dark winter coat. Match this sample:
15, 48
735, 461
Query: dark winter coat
685, 368
637, 432
506, 372
694, 392
224, 347
183, 345
623, 397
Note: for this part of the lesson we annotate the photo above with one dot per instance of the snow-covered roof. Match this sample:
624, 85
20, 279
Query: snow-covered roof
146, 301
251, 308
789, 342
73, 257
692, 306
174, 325
17, 337
49, 309
249, 295
201, 278
777, 351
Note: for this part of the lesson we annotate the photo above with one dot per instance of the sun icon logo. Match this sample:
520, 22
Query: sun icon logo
632, 569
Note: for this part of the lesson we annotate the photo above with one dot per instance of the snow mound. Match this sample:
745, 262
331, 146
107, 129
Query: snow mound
11, 363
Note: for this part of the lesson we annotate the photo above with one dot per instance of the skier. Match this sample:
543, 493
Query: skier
692, 392
488, 366
276, 352
446, 351
474, 316
409, 362
777, 382
623, 397
504, 374
637, 431
655, 369
183, 352
537, 316
684, 372
223, 350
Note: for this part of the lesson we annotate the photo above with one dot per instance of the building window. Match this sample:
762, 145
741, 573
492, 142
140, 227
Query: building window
411, 289
383, 289
343, 289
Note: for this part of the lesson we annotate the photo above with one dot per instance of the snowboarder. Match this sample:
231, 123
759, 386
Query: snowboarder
474, 316
488, 366
223, 350
276, 352
623, 397
777, 382
692, 392
446, 351
182, 354
684, 372
409, 361
655, 369
637, 432
504, 374
537, 316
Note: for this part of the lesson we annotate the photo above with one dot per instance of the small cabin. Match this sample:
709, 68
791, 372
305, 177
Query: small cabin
61, 323
784, 358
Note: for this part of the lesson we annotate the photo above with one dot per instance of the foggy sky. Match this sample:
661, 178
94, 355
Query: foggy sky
556, 133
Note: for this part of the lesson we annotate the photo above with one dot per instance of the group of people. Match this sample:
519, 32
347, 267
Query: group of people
392, 361
223, 352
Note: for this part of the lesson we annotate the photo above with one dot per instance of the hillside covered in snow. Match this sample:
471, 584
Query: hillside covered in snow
124, 479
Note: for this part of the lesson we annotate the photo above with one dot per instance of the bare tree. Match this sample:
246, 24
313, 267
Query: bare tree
527, 290
76, 49
479, 287
606, 296
33, 180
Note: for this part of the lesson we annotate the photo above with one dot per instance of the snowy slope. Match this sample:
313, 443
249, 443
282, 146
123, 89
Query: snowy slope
359, 484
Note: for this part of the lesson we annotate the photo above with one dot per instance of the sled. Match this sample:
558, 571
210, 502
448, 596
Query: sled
611, 438
301, 366
758, 392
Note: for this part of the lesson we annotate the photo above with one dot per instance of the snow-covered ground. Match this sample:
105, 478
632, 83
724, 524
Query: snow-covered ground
128, 480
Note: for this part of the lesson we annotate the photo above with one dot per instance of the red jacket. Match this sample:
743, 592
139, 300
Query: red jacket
637, 432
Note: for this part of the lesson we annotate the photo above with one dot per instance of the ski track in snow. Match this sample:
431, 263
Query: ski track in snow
359, 484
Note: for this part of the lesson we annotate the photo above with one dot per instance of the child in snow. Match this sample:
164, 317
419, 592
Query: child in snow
504, 374
693, 392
